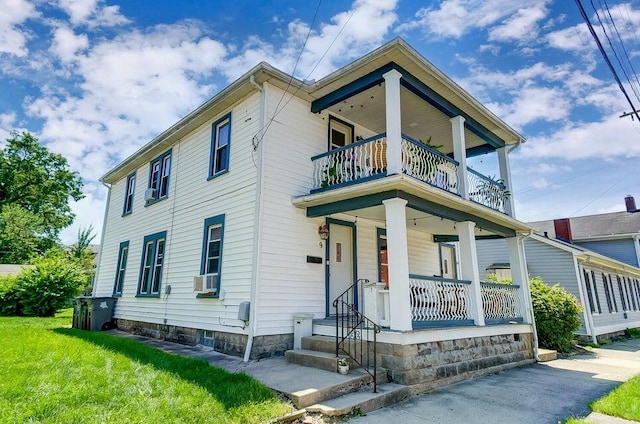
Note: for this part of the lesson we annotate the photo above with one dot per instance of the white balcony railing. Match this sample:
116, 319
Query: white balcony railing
427, 164
501, 302
487, 191
439, 299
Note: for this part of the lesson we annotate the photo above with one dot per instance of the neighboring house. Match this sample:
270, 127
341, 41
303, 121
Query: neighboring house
7, 269
615, 234
608, 290
277, 195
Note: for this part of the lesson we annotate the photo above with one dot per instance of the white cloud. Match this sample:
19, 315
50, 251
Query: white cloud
455, 18
92, 13
89, 211
607, 139
130, 89
619, 207
523, 25
349, 35
13, 40
7, 121
66, 43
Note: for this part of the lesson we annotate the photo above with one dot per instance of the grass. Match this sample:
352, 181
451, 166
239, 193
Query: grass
623, 402
52, 374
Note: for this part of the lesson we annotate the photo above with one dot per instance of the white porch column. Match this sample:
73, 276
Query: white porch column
469, 267
505, 176
393, 122
460, 154
400, 304
519, 274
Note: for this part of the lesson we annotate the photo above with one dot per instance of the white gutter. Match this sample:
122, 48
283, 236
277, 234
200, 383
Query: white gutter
257, 240
104, 225
515, 146
527, 291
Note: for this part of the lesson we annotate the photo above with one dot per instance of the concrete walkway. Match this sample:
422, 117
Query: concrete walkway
539, 393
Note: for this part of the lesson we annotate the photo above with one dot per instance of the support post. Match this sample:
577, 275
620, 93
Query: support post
519, 274
469, 267
505, 176
393, 121
399, 297
460, 155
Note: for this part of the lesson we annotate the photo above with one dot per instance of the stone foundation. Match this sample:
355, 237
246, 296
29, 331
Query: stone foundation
223, 342
435, 363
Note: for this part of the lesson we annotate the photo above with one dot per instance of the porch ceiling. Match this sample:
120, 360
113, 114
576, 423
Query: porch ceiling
420, 120
421, 196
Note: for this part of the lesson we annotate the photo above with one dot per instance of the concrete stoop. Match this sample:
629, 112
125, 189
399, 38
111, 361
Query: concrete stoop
547, 355
362, 401
338, 395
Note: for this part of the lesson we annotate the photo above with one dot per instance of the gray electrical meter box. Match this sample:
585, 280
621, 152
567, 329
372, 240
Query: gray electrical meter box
243, 311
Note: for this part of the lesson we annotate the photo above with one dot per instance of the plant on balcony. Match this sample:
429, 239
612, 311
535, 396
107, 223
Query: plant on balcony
342, 169
435, 147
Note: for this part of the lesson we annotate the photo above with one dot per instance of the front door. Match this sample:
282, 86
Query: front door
340, 265
448, 261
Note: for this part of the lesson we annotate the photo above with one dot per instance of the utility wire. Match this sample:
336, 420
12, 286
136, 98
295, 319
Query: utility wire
615, 53
624, 49
618, 181
606, 57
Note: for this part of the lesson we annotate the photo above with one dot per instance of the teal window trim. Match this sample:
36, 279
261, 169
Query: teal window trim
207, 253
220, 147
152, 264
159, 177
123, 254
130, 189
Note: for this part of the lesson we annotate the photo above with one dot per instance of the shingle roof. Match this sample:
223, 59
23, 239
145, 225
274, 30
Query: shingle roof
606, 224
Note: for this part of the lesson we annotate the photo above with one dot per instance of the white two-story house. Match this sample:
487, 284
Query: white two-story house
276, 196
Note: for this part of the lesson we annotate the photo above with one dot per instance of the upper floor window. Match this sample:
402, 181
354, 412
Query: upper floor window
220, 140
211, 264
128, 196
340, 133
160, 169
151, 264
123, 253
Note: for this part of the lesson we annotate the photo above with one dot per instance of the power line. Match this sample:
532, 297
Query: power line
605, 56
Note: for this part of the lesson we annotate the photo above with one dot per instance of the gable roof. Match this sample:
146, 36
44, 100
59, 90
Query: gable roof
606, 225
397, 52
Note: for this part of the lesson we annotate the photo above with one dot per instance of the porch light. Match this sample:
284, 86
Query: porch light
323, 232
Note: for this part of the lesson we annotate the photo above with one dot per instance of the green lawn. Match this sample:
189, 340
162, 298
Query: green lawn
623, 402
52, 374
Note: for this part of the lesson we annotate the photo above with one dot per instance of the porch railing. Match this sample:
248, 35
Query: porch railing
436, 300
362, 159
487, 191
501, 302
428, 165
356, 335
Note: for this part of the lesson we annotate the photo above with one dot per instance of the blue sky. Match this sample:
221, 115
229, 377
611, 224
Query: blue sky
95, 80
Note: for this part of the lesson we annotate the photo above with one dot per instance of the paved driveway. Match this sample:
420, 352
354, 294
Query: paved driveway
540, 393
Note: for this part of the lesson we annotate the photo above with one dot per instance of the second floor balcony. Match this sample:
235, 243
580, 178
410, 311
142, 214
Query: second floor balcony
368, 159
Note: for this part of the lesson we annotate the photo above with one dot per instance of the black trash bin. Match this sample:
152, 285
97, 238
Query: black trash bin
93, 313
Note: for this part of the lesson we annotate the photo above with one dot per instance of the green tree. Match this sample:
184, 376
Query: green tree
82, 254
35, 188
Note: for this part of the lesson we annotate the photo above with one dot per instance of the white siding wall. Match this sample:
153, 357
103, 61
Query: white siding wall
192, 199
287, 283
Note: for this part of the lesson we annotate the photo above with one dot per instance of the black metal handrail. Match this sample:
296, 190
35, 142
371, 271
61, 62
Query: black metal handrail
353, 332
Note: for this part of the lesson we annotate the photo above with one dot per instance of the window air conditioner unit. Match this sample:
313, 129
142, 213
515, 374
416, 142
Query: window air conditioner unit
205, 283
150, 194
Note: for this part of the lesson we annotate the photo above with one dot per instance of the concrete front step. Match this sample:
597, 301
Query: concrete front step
312, 358
355, 381
319, 343
546, 355
362, 401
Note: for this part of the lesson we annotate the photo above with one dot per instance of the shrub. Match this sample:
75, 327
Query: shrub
42, 290
557, 314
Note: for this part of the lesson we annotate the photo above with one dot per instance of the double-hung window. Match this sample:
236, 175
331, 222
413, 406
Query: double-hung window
123, 253
160, 170
151, 264
128, 196
340, 133
211, 264
220, 142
